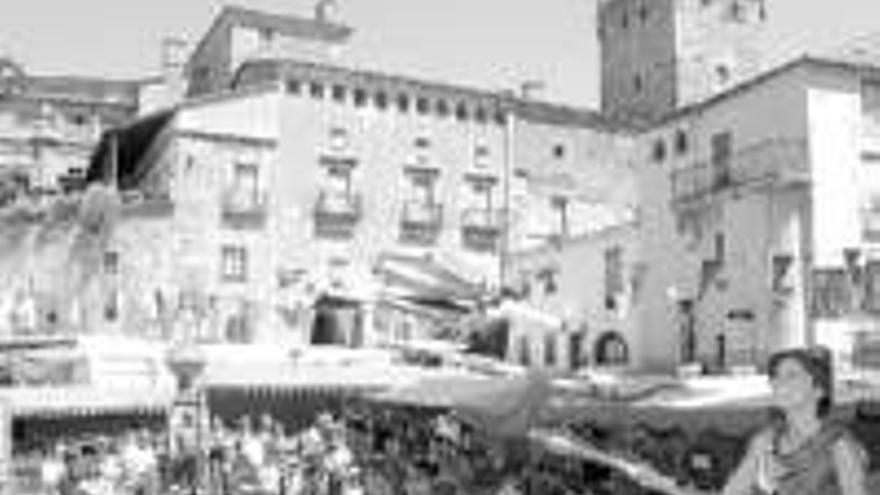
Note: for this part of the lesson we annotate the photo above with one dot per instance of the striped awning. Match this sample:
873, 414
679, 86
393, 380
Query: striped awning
84, 401
291, 376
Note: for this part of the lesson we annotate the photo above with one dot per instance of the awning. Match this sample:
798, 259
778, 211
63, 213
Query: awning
422, 278
281, 376
84, 401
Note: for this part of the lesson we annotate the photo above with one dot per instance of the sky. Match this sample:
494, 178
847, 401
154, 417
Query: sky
490, 44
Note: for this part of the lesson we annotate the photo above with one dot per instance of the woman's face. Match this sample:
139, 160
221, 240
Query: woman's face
794, 388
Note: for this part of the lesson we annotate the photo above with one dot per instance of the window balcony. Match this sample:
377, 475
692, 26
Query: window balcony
769, 163
871, 226
243, 208
147, 204
420, 222
481, 228
336, 214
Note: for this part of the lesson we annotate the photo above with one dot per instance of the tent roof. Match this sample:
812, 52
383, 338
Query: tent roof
84, 400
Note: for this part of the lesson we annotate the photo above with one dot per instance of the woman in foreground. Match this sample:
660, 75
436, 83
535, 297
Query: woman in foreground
802, 452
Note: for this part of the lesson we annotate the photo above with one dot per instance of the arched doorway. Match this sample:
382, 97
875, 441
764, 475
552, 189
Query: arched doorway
611, 348
337, 322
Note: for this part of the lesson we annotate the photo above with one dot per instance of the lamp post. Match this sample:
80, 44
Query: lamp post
186, 362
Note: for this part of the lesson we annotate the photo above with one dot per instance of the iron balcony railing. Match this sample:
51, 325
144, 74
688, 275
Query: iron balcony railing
773, 161
240, 206
482, 220
338, 206
421, 215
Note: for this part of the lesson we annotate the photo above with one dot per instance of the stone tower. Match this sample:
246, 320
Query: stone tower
658, 55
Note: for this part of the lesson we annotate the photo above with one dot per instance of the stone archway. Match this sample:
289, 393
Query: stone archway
611, 348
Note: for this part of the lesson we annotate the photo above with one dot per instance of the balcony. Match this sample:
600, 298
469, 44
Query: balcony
773, 163
420, 222
871, 225
481, 228
240, 208
146, 204
336, 214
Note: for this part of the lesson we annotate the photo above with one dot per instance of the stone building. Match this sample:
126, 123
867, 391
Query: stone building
49, 126
657, 55
286, 189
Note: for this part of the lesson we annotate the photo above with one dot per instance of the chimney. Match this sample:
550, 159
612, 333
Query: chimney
173, 57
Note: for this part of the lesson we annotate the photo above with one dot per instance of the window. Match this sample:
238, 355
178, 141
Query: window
722, 74
245, 184
461, 111
872, 286
722, 144
338, 93
480, 115
442, 108
525, 351
481, 156
316, 89
381, 100
238, 329
422, 184
422, 105
111, 262
781, 273
720, 247
558, 151
422, 147
294, 86
548, 278
111, 306
233, 264
659, 151
360, 97
681, 142
613, 276
550, 349
481, 188
560, 205
267, 36
403, 103
831, 292
643, 14
338, 140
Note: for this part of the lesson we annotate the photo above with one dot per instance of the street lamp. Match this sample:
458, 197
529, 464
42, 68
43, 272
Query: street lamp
507, 102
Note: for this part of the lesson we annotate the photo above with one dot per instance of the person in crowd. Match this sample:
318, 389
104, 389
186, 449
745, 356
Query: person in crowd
802, 451
52, 470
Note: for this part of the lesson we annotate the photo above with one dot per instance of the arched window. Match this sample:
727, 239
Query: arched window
611, 348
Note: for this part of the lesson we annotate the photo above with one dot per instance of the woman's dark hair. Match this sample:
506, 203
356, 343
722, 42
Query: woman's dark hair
816, 361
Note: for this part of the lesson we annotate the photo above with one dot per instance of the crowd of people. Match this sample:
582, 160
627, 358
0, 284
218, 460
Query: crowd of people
359, 450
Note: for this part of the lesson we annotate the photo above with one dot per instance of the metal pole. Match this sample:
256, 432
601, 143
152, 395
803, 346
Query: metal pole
507, 100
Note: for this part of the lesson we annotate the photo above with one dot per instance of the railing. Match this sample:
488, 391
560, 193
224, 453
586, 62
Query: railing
420, 222
481, 228
419, 214
482, 219
149, 204
773, 161
871, 225
241, 206
333, 206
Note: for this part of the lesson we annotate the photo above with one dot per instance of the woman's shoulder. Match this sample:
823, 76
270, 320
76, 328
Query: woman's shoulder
764, 438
